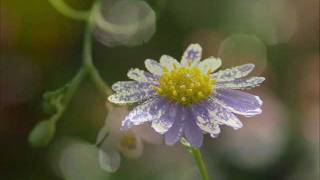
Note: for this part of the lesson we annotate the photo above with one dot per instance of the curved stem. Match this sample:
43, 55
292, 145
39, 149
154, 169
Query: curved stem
87, 53
199, 161
72, 87
68, 11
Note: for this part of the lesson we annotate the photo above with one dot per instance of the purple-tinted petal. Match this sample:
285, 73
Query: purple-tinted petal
159, 102
233, 73
192, 54
139, 115
204, 118
243, 83
192, 132
174, 134
238, 102
222, 115
167, 118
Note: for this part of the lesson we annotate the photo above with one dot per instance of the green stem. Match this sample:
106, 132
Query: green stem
199, 161
68, 11
87, 53
87, 67
72, 87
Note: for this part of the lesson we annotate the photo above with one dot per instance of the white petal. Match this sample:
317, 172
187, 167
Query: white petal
192, 55
241, 83
169, 62
109, 160
102, 134
124, 86
153, 67
131, 96
209, 65
233, 73
141, 76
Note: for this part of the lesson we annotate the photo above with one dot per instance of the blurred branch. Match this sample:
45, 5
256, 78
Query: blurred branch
87, 53
57, 101
68, 11
72, 87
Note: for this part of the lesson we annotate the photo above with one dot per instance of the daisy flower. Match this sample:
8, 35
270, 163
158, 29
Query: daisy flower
187, 99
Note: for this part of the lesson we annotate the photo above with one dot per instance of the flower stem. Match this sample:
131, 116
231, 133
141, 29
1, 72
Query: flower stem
68, 11
199, 161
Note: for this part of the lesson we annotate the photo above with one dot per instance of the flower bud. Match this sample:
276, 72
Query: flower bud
42, 134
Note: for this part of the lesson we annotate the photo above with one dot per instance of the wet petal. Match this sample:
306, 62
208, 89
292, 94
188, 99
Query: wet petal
141, 76
223, 115
131, 96
157, 105
124, 86
153, 67
169, 62
241, 83
233, 73
139, 115
209, 65
238, 102
192, 132
166, 120
192, 55
204, 119
174, 134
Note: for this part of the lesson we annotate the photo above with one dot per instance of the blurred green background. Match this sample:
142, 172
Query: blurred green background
41, 51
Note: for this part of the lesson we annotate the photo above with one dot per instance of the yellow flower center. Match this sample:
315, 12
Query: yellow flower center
185, 85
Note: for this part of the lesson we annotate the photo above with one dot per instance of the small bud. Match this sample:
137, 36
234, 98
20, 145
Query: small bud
42, 134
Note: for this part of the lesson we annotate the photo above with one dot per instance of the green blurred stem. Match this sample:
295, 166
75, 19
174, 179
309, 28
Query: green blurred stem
68, 11
87, 53
44, 131
87, 67
199, 161
72, 87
